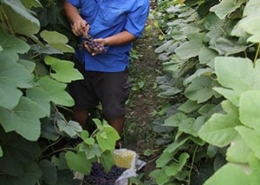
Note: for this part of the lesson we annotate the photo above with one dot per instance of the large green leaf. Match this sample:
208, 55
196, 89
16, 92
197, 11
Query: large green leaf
57, 40
78, 162
21, 20
200, 89
49, 128
24, 119
238, 151
231, 95
29, 65
12, 44
249, 109
18, 7
187, 126
30, 176
252, 8
230, 174
175, 167
250, 26
107, 138
49, 172
56, 91
17, 151
254, 163
160, 176
189, 106
173, 147
164, 47
226, 7
215, 26
219, 130
164, 159
107, 160
64, 70
41, 97
234, 73
175, 120
188, 49
225, 46
251, 138
60, 161
13, 75
31, 3
206, 55
200, 72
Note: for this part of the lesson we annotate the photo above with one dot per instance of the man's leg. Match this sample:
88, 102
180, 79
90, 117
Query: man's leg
118, 125
81, 116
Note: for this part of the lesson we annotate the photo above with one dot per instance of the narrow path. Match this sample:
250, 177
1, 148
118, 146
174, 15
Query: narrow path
144, 100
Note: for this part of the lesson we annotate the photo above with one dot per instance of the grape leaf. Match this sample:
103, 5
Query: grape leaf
226, 7
20, 19
249, 109
56, 90
72, 128
234, 73
41, 97
107, 160
231, 173
21, 119
175, 167
57, 40
49, 172
30, 176
31, 3
64, 70
13, 44
78, 162
60, 161
200, 89
160, 176
219, 130
107, 138
251, 138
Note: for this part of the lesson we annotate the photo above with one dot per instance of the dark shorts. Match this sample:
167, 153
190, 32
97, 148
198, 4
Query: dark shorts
110, 89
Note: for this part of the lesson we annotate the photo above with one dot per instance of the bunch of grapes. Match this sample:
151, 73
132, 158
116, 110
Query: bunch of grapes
98, 175
93, 46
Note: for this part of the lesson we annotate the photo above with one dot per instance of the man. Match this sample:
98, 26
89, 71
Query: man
114, 25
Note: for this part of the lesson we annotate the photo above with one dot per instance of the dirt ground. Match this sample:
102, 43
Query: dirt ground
138, 133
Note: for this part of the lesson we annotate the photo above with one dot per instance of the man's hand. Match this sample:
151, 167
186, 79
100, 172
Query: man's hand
80, 27
94, 46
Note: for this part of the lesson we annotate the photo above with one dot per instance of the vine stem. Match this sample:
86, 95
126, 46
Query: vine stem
51, 144
57, 151
192, 162
257, 52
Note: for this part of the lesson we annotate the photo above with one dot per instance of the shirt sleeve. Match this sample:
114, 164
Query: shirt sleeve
136, 19
75, 3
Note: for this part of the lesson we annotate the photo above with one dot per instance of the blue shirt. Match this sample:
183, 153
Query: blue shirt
106, 18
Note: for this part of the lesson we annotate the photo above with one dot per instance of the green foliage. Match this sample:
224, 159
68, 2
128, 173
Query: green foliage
35, 68
211, 69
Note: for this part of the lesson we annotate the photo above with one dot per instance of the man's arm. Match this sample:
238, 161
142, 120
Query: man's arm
121, 38
78, 25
